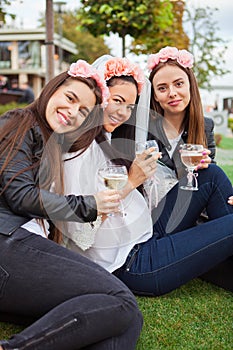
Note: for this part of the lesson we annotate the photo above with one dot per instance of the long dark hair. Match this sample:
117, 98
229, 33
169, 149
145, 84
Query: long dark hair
122, 148
17, 122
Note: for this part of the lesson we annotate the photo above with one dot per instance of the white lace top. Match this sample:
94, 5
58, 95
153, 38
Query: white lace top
107, 243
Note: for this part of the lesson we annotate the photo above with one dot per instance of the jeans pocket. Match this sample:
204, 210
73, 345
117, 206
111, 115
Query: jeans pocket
4, 275
131, 257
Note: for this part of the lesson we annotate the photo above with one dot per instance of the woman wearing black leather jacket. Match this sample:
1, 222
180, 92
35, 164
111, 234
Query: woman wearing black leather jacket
67, 301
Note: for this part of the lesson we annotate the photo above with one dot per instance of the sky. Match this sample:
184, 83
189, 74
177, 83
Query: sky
28, 12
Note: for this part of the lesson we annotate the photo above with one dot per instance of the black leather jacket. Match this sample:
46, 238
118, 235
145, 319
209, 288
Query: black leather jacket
157, 132
23, 200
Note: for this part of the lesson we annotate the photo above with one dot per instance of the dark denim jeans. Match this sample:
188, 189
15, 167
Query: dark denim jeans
180, 250
75, 303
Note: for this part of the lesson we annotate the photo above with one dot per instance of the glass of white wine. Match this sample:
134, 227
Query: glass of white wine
191, 156
150, 185
141, 146
115, 177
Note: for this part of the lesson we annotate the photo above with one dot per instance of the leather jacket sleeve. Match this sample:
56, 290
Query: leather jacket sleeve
25, 198
209, 131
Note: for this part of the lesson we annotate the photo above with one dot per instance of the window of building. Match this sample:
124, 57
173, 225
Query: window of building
5, 54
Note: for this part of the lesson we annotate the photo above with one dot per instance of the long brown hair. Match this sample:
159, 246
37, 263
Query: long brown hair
194, 118
17, 122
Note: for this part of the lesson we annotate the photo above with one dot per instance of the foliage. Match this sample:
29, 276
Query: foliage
9, 106
230, 123
170, 34
124, 17
207, 47
3, 12
89, 47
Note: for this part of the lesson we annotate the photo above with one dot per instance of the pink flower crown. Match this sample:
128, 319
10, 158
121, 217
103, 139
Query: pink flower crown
183, 57
118, 66
83, 69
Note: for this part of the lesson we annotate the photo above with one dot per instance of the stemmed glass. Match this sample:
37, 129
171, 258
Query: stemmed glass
141, 146
150, 185
191, 155
115, 177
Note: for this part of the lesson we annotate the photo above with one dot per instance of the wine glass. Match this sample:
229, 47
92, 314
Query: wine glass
150, 185
115, 177
141, 146
191, 155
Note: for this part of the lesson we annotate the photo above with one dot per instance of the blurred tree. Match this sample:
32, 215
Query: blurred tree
3, 11
124, 17
89, 47
207, 48
159, 36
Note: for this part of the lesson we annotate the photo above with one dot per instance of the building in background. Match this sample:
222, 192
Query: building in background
23, 55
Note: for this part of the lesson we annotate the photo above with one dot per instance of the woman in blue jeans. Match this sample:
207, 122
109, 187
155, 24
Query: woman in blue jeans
180, 250
67, 301
152, 257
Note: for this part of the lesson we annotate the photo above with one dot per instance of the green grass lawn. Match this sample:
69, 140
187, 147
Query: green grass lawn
197, 316
226, 163
228, 169
226, 143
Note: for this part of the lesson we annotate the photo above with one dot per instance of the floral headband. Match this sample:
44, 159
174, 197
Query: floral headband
183, 57
83, 69
118, 66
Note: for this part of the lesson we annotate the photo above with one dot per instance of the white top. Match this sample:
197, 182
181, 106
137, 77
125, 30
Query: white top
167, 177
109, 242
34, 227
173, 143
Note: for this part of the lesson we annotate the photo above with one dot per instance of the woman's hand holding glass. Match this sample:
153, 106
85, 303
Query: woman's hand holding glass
115, 177
147, 154
107, 202
191, 156
205, 161
194, 157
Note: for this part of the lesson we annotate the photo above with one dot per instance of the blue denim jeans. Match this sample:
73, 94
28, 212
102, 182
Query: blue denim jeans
180, 250
74, 303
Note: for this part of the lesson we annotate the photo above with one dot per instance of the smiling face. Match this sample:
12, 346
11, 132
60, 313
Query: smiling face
120, 104
69, 106
172, 90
